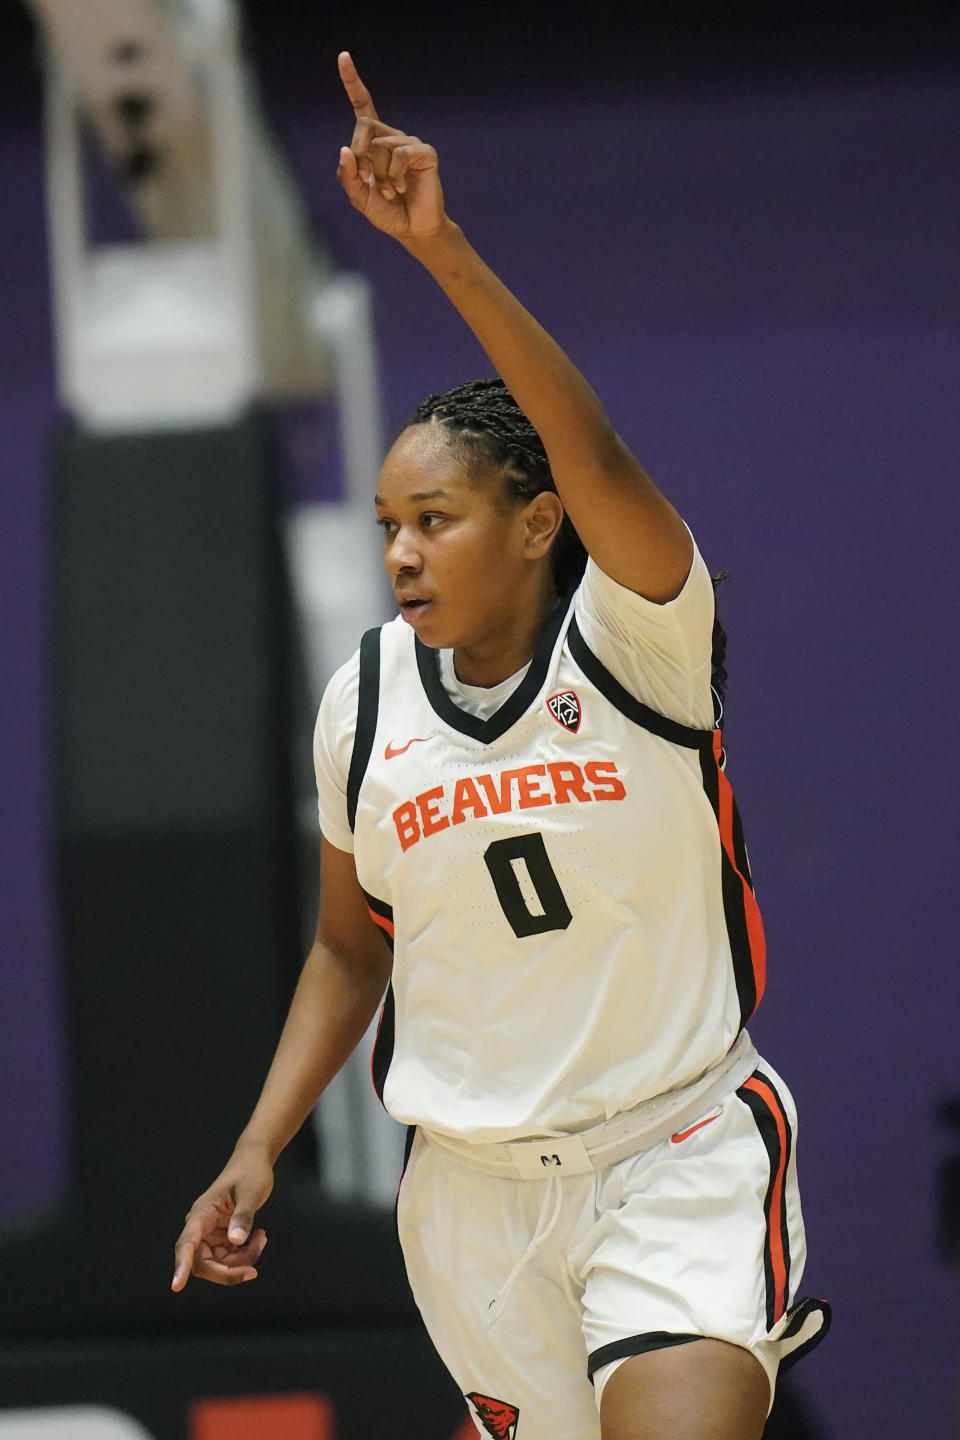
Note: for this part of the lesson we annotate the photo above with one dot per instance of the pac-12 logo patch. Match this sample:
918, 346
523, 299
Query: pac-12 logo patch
565, 709
497, 1417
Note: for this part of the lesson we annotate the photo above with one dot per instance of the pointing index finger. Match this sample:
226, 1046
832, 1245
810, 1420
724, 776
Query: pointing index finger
357, 92
184, 1252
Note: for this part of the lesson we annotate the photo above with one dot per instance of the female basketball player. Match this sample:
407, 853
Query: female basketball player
521, 782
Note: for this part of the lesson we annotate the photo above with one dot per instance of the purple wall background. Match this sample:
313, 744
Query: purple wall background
32, 1132
764, 289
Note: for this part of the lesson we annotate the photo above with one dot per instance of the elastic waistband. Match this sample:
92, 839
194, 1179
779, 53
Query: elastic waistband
613, 1140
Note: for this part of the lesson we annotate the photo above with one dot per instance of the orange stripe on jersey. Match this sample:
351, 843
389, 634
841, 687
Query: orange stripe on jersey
385, 925
756, 938
776, 1205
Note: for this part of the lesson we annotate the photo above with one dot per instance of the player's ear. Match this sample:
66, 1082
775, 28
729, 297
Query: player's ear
543, 518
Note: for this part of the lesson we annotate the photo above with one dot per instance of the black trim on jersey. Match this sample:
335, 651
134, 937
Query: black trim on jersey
368, 702
411, 1135
800, 1315
635, 1345
383, 1045
513, 707
731, 889
381, 908
770, 1135
628, 705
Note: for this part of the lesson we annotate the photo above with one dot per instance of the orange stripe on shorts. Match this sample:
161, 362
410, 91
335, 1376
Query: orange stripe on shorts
776, 1211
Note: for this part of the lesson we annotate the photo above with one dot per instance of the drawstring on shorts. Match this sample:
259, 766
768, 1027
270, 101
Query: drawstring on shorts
631, 1132
541, 1234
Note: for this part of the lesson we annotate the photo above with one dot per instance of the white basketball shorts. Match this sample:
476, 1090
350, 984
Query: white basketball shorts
534, 1291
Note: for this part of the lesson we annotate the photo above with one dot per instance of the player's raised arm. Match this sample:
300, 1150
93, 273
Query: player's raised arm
629, 528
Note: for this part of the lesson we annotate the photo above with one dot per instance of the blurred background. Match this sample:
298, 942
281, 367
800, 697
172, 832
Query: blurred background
743, 222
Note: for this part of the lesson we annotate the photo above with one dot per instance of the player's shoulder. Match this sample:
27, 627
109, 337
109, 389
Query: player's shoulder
628, 616
599, 591
342, 684
660, 653
342, 690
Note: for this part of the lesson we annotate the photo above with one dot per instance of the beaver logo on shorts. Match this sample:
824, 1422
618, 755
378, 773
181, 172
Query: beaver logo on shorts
565, 709
497, 1417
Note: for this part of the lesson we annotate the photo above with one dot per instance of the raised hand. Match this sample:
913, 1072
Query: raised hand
390, 177
218, 1241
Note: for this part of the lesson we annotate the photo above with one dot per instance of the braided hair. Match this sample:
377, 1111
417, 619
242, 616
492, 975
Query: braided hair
491, 430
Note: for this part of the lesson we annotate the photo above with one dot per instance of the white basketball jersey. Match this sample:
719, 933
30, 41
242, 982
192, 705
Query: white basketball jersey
565, 886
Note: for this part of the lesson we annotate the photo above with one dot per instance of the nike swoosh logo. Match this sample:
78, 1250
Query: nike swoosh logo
390, 753
682, 1134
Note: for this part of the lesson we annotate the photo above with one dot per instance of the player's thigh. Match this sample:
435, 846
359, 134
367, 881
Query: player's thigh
522, 1367
704, 1390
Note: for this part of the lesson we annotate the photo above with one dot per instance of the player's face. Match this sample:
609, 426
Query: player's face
454, 551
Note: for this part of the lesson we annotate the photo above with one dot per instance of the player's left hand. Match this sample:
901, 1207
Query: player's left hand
392, 178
